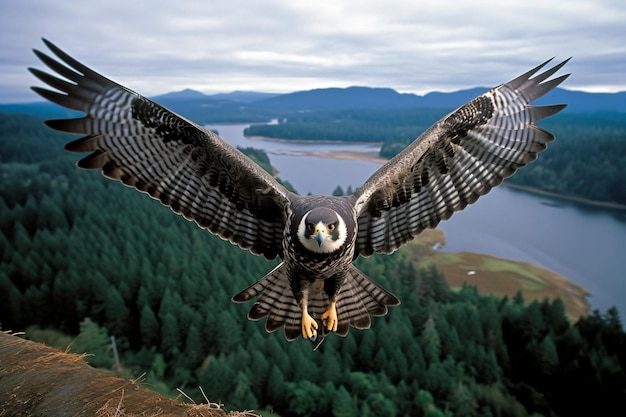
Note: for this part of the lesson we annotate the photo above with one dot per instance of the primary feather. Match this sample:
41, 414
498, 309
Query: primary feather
150, 148
457, 160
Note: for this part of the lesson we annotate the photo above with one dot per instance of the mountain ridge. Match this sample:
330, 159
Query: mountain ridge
257, 106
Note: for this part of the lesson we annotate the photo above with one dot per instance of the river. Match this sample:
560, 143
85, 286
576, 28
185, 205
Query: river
583, 243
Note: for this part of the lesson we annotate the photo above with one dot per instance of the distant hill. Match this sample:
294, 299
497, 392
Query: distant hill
243, 96
248, 106
235, 96
184, 95
235, 107
342, 98
386, 98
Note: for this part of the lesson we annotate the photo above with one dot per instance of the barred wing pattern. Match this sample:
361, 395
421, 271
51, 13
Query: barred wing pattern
156, 151
453, 163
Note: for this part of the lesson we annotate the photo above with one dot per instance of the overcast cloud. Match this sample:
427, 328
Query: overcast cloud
154, 47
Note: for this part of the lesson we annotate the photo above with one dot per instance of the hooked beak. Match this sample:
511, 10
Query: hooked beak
320, 237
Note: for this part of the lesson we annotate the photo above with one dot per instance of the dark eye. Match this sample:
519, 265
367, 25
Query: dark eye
331, 227
310, 228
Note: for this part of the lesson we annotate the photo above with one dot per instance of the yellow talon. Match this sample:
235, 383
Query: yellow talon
329, 318
309, 326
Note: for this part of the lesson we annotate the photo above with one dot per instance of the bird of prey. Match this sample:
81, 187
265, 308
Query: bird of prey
316, 289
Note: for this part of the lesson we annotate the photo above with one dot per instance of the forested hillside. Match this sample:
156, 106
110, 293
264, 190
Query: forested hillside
588, 159
83, 258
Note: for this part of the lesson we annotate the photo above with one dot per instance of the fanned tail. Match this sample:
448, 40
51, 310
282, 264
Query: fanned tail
275, 301
358, 299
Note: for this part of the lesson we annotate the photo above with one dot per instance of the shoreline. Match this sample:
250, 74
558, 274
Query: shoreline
492, 275
582, 200
311, 142
376, 158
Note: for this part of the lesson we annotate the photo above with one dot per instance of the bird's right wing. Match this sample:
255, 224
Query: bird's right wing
148, 147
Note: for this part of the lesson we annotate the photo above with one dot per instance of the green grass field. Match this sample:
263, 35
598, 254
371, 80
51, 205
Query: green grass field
491, 275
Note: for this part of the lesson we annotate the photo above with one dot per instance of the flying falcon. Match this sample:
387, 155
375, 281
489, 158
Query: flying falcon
316, 289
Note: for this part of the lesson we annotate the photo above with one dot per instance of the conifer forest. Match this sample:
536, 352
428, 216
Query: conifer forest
83, 258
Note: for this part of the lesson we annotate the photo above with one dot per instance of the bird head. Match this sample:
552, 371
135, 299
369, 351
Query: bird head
322, 230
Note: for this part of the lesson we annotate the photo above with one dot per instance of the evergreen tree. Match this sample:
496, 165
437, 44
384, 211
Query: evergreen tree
546, 356
306, 399
380, 406
338, 191
227, 332
193, 353
217, 379
343, 406
462, 401
158, 366
37, 298
50, 214
275, 388
116, 313
94, 340
554, 313
21, 239
170, 335
430, 341
149, 327
242, 394
11, 305
260, 376
424, 401
431, 285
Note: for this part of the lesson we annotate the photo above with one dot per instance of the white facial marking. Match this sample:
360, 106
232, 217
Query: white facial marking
318, 238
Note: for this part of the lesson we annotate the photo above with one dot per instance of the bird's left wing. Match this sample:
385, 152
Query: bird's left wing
453, 163
156, 151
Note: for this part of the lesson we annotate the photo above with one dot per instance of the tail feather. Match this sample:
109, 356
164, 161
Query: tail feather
378, 298
361, 297
358, 298
275, 301
353, 313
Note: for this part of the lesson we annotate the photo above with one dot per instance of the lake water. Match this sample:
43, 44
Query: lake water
585, 244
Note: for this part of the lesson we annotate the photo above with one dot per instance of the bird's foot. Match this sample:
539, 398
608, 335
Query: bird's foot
309, 326
329, 318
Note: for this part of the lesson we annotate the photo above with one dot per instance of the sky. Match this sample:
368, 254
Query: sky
280, 46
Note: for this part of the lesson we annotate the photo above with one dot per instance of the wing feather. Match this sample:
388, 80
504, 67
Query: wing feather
453, 163
156, 151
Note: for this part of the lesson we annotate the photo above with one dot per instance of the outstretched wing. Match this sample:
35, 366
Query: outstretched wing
457, 160
156, 151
